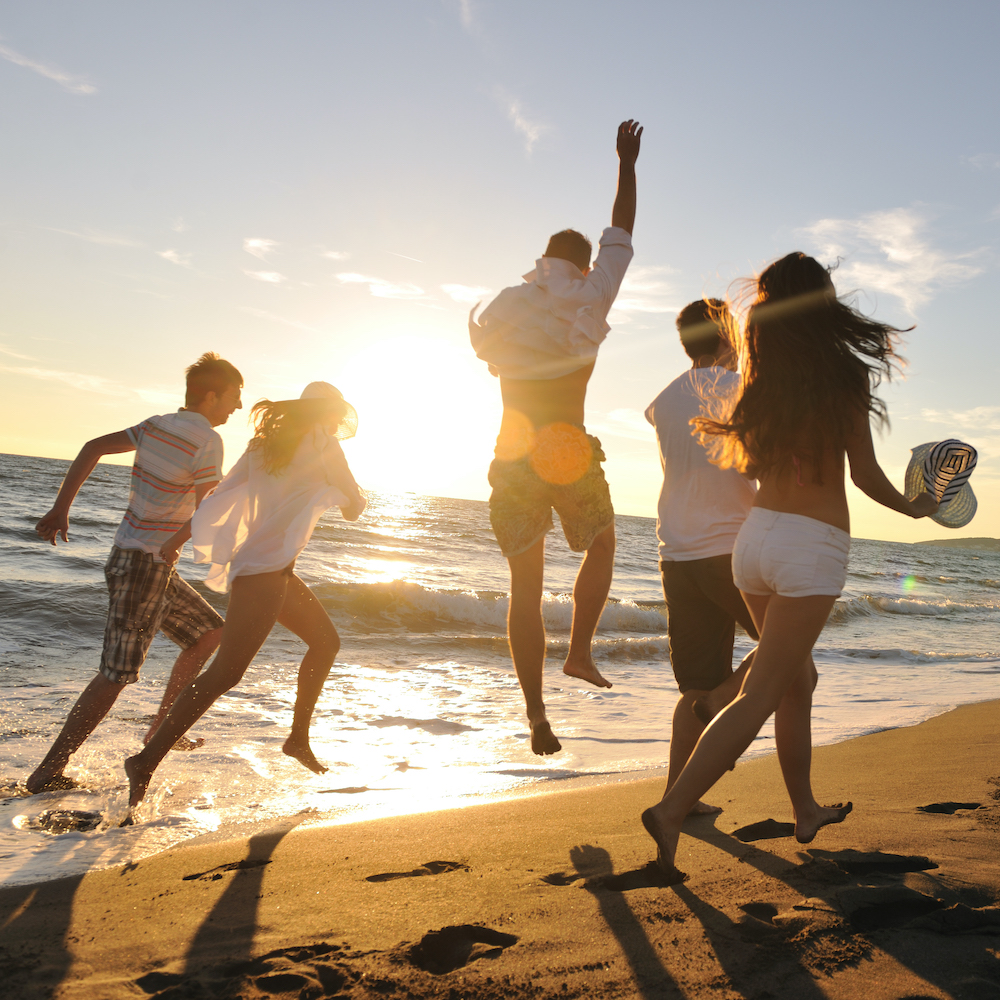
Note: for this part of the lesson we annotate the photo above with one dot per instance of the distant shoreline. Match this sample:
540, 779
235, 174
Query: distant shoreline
982, 544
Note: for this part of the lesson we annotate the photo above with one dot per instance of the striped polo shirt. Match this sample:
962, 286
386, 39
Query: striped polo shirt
173, 454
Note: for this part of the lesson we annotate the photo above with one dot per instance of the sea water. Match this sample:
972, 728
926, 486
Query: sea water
422, 709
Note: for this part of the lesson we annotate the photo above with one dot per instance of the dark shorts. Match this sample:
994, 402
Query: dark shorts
703, 606
563, 472
146, 596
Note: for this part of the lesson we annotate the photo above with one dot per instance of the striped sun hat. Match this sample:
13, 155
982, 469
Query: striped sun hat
943, 468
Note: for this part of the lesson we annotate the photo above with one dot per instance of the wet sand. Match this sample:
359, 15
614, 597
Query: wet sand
552, 896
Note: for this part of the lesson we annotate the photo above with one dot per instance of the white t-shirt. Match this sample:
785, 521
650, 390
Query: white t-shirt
701, 507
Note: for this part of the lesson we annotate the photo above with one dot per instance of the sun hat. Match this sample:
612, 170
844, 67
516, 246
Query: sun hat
348, 426
943, 469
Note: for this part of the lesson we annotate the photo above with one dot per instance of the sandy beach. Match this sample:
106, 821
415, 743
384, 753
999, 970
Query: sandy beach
551, 895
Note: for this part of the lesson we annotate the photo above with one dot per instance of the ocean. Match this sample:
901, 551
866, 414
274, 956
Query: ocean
422, 709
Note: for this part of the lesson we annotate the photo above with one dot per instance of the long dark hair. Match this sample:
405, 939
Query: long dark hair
810, 366
279, 427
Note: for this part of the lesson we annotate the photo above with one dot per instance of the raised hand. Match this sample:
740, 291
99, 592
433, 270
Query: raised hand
629, 134
924, 505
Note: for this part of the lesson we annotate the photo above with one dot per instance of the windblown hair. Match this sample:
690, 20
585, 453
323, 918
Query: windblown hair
570, 245
209, 374
703, 325
279, 427
810, 366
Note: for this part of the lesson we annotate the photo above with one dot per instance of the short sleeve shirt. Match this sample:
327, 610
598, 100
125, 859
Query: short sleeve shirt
174, 453
701, 507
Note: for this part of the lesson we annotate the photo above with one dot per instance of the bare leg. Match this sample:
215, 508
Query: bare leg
708, 706
793, 736
186, 668
304, 615
684, 732
590, 594
790, 628
526, 635
253, 609
91, 707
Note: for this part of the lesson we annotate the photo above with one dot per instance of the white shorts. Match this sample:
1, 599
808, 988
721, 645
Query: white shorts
790, 555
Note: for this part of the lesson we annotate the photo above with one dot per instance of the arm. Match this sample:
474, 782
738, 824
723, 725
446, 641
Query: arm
623, 213
171, 548
56, 521
338, 473
868, 476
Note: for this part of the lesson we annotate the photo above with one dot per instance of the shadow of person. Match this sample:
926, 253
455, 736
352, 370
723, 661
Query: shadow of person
649, 972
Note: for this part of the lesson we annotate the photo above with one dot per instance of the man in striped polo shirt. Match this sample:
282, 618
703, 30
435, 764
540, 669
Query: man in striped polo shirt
178, 461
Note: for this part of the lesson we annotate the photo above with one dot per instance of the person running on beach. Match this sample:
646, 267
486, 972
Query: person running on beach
700, 511
252, 530
811, 364
178, 461
541, 338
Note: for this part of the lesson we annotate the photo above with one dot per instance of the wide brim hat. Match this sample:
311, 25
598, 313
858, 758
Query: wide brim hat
348, 425
943, 468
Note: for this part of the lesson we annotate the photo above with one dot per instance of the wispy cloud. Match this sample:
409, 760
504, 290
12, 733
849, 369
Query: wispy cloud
647, 290
273, 277
14, 354
264, 314
103, 239
465, 14
89, 383
175, 257
531, 129
979, 418
403, 255
624, 423
984, 161
890, 252
335, 254
469, 294
259, 247
68, 81
179, 225
381, 288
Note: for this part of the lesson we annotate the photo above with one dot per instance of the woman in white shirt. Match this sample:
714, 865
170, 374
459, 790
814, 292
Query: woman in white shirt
251, 529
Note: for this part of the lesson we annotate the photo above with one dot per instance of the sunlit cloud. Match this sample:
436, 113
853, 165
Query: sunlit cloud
979, 418
15, 354
259, 247
381, 288
529, 128
889, 252
626, 423
74, 84
335, 254
469, 294
647, 290
102, 239
264, 314
89, 383
270, 276
180, 259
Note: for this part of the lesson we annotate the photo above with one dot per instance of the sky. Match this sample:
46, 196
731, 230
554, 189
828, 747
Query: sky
322, 190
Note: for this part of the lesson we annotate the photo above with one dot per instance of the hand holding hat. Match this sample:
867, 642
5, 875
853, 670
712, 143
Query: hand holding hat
942, 469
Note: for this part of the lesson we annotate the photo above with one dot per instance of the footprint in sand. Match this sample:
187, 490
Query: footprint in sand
765, 829
874, 862
214, 873
427, 868
949, 808
443, 951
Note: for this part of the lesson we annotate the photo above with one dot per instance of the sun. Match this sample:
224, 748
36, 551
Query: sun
428, 416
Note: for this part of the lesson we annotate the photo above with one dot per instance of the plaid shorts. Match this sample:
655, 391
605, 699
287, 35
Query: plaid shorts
565, 476
146, 596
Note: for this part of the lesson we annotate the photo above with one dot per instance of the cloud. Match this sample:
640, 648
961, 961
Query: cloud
646, 290
103, 239
259, 247
74, 84
890, 252
465, 13
180, 259
984, 161
381, 288
335, 254
14, 354
470, 294
179, 225
530, 129
89, 383
270, 276
979, 418
624, 423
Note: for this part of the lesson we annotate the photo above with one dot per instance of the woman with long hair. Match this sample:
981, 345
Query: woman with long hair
251, 529
810, 365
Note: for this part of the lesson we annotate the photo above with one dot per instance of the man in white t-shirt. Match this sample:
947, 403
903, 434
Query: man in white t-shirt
700, 512
178, 462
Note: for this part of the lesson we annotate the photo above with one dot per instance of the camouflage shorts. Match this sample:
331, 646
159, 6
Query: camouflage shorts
561, 471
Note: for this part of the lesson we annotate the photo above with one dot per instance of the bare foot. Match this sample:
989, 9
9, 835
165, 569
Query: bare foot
587, 671
543, 740
805, 832
185, 744
666, 847
138, 780
49, 783
302, 752
703, 809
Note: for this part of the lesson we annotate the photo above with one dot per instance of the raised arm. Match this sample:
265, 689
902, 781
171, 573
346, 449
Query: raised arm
868, 476
56, 521
623, 213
